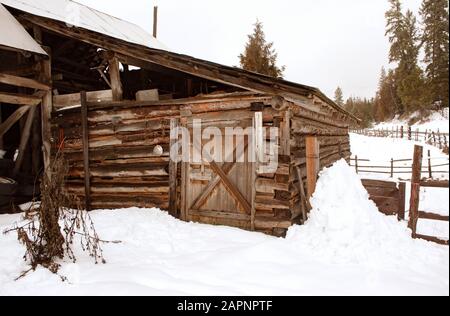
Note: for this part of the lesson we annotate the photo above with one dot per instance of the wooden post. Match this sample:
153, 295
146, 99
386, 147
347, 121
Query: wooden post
439, 140
87, 173
114, 77
46, 113
415, 189
402, 132
258, 154
396, 132
312, 163
417, 135
1, 137
24, 139
155, 21
402, 200
356, 164
434, 138
430, 171
409, 133
392, 167
173, 169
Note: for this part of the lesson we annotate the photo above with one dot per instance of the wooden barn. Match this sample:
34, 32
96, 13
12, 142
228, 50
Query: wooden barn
108, 95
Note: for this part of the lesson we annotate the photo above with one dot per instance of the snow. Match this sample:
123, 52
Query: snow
438, 120
346, 248
380, 151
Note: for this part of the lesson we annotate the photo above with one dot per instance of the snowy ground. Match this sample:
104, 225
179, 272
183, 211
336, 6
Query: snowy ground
346, 248
436, 121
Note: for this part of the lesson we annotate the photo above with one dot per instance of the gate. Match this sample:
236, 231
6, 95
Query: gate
220, 192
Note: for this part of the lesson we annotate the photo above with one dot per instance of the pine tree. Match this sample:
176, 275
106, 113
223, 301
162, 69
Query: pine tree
409, 75
386, 103
339, 96
260, 56
435, 19
394, 30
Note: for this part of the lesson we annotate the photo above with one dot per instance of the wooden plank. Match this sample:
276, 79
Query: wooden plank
415, 188
433, 216
173, 170
12, 119
216, 214
24, 139
73, 100
435, 184
258, 154
227, 168
85, 127
231, 187
312, 163
46, 113
19, 99
114, 76
23, 82
402, 200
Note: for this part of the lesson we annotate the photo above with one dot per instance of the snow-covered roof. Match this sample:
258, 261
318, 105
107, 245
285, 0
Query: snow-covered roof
16, 37
82, 16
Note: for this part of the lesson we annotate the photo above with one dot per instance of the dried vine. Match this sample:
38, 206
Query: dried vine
50, 233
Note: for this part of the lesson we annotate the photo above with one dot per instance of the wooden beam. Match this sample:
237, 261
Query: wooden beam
415, 188
114, 76
87, 173
46, 112
173, 169
12, 119
203, 69
312, 163
24, 139
19, 99
1, 121
23, 82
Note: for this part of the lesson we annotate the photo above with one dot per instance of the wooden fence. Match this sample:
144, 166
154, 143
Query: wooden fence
388, 196
434, 138
400, 166
414, 212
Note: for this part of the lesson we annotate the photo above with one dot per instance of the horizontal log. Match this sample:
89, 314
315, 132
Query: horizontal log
214, 214
19, 99
23, 82
433, 216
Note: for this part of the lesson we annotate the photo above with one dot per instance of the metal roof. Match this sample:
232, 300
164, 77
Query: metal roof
73, 13
13, 35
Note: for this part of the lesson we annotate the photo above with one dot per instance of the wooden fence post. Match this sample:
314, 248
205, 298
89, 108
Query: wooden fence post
409, 133
434, 138
402, 132
312, 163
415, 189
402, 199
85, 127
173, 169
356, 164
430, 171
392, 167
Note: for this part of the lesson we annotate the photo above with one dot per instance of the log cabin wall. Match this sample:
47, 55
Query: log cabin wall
331, 130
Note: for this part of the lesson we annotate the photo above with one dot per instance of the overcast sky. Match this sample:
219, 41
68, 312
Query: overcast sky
323, 43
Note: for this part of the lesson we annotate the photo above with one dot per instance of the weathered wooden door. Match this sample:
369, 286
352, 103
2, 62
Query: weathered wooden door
220, 192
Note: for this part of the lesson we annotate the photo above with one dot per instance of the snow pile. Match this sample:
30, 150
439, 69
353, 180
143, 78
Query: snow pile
346, 227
